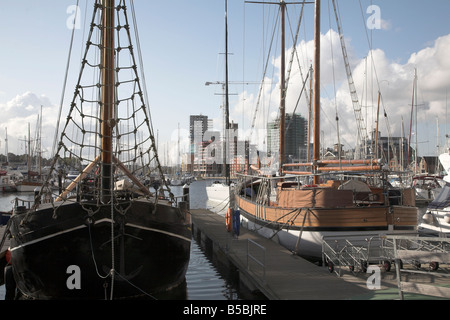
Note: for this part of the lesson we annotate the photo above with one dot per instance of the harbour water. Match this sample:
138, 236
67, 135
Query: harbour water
205, 280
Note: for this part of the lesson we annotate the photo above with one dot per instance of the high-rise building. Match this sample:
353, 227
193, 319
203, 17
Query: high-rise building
296, 136
198, 124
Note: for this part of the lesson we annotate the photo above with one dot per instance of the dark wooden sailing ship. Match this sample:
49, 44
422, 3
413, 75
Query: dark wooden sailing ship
106, 235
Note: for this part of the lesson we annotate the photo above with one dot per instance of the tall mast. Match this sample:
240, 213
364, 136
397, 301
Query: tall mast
107, 105
414, 89
317, 87
29, 150
227, 102
6, 146
283, 5
415, 125
281, 156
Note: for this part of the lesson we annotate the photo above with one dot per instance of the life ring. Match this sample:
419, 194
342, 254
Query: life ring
229, 219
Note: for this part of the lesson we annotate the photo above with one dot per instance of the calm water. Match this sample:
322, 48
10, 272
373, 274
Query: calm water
204, 279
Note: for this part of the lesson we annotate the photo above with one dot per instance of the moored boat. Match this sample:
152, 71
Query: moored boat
218, 191
28, 185
102, 238
436, 220
6, 182
307, 202
427, 187
300, 215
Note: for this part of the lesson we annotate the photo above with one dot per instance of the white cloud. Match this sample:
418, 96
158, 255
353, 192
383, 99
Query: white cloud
394, 80
21, 111
385, 25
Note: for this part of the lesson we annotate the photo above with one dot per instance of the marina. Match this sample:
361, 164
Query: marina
297, 212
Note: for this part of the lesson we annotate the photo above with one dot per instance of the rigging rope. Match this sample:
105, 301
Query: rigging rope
78, 145
388, 128
261, 86
65, 82
334, 84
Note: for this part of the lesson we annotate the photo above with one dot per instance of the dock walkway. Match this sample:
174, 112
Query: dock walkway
285, 276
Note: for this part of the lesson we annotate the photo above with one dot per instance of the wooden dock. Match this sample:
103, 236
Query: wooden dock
278, 274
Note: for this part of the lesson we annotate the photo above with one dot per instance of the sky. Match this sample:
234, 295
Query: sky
183, 48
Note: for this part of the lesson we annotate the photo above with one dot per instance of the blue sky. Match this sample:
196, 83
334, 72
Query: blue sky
182, 42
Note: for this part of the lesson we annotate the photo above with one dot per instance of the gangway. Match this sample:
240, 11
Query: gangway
434, 251
415, 250
355, 254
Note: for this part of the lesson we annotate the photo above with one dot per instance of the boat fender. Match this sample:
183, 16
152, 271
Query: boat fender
8, 257
428, 218
447, 218
229, 219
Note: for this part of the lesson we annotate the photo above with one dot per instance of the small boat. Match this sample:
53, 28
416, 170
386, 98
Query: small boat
220, 191
6, 182
28, 185
105, 236
427, 187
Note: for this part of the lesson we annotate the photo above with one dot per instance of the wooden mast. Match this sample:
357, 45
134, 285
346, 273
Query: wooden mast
281, 155
282, 151
107, 104
316, 155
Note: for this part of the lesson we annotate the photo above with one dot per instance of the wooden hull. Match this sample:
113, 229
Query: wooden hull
313, 224
149, 252
28, 186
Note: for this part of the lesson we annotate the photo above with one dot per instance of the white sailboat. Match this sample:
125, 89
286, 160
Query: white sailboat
220, 191
436, 220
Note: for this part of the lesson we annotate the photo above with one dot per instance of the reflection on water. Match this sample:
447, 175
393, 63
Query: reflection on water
204, 282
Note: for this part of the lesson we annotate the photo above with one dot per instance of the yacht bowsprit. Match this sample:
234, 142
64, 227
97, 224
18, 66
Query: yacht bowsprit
105, 235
